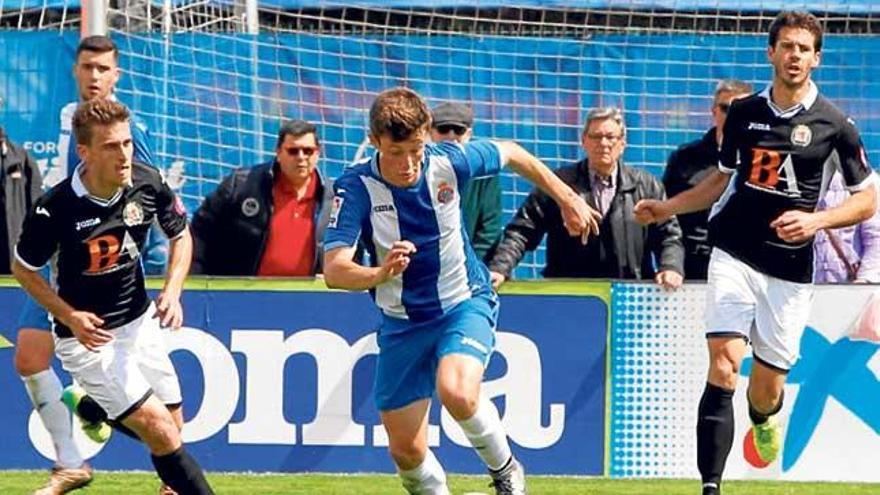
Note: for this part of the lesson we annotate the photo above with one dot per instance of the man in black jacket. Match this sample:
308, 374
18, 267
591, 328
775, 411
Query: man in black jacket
690, 164
624, 249
22, 185
267, 220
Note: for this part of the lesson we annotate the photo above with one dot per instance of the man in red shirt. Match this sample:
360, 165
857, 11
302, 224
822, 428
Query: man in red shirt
267, 220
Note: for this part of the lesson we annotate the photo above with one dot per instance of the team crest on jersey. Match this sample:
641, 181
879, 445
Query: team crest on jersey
250, 207
445, 193
132, 214
801, 135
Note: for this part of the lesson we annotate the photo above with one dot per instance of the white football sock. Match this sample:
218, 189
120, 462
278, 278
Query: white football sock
428, 478
487, 435
44, 390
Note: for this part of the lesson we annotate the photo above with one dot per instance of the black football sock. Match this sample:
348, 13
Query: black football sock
714, 435
182, 473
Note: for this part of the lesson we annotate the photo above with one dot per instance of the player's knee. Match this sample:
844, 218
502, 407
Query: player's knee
460, 401
158, 431
30, 363
723, 371
407, 454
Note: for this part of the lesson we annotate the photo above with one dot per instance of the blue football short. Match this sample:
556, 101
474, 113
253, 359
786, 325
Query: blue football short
410, 353
33, 315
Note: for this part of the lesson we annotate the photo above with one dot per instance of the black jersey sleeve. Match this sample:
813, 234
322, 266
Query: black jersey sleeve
729, 158
171, 212
39, 240
857, 172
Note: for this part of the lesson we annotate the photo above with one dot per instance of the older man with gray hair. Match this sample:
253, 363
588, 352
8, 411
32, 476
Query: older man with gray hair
624, 249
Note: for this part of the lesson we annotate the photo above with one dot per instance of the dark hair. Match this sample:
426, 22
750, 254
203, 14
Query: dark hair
400, 113
296, 128
99, 44
99, 111
803, 20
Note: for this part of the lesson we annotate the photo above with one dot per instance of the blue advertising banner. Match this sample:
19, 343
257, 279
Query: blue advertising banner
282, 381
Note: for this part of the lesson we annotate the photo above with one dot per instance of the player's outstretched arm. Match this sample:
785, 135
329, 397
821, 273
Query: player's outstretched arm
84, 325
342, 272
698, 198
168, 307
579, 219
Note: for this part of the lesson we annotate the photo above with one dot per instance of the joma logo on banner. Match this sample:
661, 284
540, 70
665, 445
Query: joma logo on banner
267, 351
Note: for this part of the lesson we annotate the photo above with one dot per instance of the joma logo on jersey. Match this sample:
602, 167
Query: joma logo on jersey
91, 222
771, 173
105, 251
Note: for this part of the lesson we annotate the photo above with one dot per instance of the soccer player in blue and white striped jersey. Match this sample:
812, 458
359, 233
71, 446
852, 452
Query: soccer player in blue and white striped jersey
440, 312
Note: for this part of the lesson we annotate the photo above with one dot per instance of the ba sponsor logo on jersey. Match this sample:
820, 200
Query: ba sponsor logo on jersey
106, 253
42, 211
90, 222
801, 135
773, 172
132, 214
757, 126
445, 193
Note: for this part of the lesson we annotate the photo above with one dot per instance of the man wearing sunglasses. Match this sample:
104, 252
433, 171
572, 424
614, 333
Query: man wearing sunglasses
690, 164
267, 220
481, 203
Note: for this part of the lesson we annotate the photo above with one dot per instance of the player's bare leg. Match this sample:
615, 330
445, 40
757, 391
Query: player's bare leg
459, 377
407, 427
33, 361
155, 426
715, 419
176, 411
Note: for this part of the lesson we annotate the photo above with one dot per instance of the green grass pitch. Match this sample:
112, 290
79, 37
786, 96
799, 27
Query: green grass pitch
107, 483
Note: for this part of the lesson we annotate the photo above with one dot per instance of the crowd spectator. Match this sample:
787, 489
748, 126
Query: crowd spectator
847, 254
624, 249
267, 220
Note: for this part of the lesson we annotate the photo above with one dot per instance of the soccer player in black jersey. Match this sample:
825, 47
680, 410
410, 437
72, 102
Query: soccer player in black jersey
107, 331
778, 153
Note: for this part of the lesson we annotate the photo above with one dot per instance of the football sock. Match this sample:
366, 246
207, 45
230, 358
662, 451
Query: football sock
182, 473
44, 390
428, 477
714, 434
760, 418
486, 434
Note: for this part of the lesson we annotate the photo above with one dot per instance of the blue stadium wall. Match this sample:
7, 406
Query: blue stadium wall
591, 378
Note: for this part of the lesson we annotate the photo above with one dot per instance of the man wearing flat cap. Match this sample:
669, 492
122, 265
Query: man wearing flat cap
481, 203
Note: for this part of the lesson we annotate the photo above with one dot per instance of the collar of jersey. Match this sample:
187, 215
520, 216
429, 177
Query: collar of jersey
80, 189
788, 113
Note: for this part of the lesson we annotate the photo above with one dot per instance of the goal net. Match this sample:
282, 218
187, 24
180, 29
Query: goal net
215, 78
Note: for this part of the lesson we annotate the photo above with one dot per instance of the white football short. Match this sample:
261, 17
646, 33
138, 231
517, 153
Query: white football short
124, 372
770, 312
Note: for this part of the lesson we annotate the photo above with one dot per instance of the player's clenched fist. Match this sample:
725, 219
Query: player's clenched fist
648, 211
397, 259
